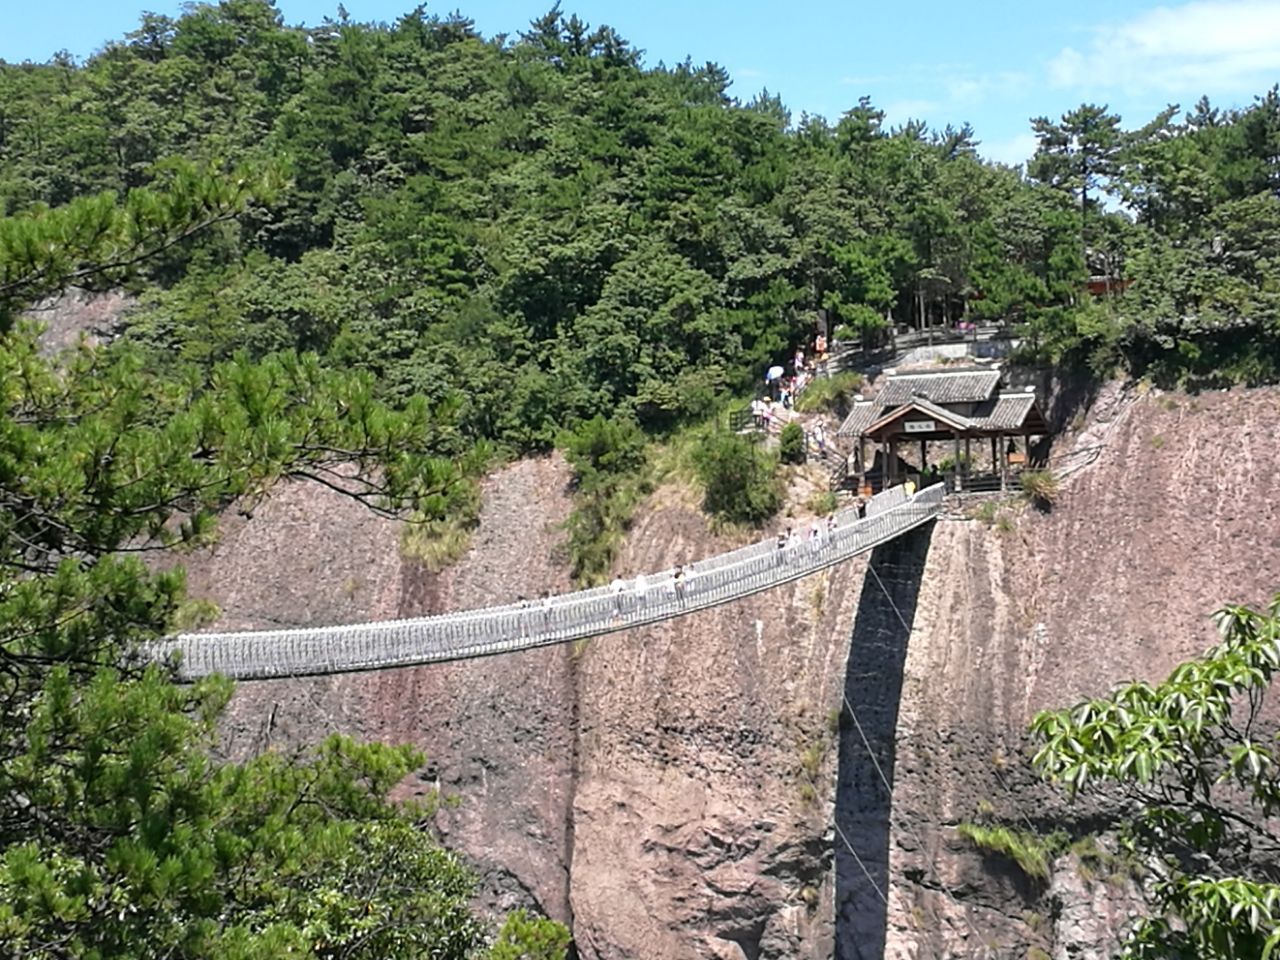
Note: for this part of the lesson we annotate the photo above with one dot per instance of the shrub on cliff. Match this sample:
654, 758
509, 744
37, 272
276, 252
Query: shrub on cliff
608, 458
834, 393
1194, 756
1031, 853
739, 480
791, 444
1040, 487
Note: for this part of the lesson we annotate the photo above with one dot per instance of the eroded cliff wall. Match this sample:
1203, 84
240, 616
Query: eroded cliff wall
667, 791
1179, 514
672, 792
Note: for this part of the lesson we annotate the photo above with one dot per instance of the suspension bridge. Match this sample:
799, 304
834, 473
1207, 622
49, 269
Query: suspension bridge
314, 651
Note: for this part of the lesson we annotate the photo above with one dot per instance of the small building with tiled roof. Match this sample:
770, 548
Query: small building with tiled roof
955, 406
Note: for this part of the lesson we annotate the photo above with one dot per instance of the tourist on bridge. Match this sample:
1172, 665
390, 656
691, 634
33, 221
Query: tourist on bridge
815, 538
523, 603
831, 528
781, 551
642, 591
546, 610
677, 582
617, 590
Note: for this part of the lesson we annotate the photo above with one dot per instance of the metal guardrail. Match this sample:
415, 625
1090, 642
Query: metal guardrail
850, 355
311, 651
742, 420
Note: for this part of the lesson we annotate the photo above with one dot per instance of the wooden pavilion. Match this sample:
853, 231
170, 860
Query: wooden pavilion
952, 408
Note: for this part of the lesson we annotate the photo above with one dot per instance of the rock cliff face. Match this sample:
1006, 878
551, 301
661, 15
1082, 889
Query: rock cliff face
699, 789
1178, 514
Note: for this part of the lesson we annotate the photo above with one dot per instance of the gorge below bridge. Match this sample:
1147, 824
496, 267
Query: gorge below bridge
894, 528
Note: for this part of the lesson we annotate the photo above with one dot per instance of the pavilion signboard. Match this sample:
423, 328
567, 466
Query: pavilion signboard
920, 426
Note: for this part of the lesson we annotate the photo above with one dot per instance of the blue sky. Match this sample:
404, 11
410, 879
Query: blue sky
993, 64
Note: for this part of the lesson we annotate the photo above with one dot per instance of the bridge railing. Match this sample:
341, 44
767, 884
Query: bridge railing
522, 625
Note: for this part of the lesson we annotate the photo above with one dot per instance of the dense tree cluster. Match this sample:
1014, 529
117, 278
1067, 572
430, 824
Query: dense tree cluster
554, 231
120, 835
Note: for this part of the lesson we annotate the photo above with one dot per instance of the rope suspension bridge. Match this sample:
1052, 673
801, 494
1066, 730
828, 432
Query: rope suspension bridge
314, 651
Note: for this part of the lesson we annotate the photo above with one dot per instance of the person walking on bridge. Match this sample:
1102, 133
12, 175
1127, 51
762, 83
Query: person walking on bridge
677, 582
618, 591
642, 591
523, 615
546, 610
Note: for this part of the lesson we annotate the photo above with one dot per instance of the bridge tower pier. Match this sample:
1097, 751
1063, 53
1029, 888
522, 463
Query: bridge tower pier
873, 688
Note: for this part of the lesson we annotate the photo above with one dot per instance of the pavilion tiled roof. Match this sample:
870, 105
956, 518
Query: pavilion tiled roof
951, 386
1006, 412
863, 415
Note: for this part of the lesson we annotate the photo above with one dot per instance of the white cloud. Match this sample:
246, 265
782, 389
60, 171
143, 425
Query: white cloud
1205, 46
1017, 149
965, 88
750, 73
900, 111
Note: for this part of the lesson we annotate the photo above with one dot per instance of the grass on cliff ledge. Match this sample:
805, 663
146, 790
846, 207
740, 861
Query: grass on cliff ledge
1040, 487
436, 544
1032, 854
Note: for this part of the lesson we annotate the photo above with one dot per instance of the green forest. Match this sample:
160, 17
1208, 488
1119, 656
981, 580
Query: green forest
545, 229
413, 248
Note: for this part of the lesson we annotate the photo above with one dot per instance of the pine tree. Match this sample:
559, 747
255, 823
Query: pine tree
120, 836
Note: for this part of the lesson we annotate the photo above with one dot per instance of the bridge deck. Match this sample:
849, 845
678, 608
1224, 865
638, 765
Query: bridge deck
309, 651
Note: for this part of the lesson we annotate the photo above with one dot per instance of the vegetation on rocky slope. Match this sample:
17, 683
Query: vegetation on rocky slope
365, 252
1194, 756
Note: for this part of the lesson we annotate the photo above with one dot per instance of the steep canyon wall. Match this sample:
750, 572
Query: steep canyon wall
672, 792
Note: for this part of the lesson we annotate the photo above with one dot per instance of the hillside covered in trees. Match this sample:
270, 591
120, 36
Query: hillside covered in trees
547, 229
401, 246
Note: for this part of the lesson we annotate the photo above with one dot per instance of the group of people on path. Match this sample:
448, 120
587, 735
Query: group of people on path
780, 390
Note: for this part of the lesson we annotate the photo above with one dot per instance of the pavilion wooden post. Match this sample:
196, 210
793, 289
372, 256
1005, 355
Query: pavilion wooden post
1004, 463
862, 461
995, 462
959, 484
968, 455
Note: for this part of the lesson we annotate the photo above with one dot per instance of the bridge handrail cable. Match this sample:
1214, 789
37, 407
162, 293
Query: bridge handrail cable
298, 651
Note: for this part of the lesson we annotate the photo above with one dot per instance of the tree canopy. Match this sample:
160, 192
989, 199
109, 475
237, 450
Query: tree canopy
552, 230
120, 835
